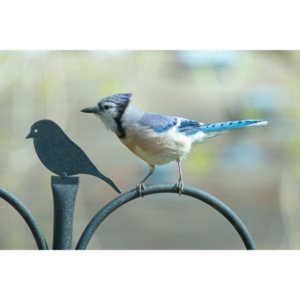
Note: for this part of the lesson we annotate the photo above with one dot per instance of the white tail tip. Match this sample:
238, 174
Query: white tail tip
261, 123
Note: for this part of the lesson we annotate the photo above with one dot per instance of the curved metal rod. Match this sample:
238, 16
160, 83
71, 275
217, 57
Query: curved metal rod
166, 188
27, 216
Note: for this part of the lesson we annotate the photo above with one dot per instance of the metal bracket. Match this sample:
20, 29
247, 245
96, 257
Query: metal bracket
156, 189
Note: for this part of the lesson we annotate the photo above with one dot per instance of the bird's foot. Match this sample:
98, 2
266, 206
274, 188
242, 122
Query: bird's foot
179, 186
140, 188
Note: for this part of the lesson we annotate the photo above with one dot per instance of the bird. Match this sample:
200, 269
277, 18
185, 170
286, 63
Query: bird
156, 138
60, 154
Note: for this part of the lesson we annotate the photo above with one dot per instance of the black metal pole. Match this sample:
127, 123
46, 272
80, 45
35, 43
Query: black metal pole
64, 191
27, 216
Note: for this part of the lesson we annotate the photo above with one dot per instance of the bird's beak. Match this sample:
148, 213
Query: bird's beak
29, 136
92, 109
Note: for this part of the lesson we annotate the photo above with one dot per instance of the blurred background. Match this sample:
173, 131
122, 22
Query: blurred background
256, 171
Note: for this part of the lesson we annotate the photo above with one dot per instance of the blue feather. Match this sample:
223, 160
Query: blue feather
158, 123
187, 125
229, 125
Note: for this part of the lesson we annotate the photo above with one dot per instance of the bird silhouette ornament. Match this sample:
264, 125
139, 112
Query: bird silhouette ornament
60, 154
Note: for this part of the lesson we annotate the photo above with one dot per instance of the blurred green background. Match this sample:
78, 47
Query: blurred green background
255, 171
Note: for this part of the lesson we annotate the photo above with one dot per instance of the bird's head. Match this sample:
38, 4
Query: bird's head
42, 128
110, 109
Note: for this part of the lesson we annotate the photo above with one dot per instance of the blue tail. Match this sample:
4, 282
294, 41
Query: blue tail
231, 125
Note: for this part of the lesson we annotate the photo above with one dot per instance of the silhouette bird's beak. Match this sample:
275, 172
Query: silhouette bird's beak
92, 109
29, 136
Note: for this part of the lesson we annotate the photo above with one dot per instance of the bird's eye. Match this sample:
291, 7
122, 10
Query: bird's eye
35, 130
106, 106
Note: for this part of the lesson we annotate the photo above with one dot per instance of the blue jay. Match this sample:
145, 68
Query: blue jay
155, 138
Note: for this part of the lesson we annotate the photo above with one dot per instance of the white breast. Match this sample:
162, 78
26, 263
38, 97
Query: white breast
156, 148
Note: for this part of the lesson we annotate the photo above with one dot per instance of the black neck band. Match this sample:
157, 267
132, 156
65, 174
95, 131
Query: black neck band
121, 131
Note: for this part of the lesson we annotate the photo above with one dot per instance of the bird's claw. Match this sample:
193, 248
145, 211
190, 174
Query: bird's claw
140, 188
179, 186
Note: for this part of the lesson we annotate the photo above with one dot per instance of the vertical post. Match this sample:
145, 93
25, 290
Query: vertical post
64, 191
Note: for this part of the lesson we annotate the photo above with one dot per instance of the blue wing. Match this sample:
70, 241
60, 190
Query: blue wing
188, 127
158, 123
161, 123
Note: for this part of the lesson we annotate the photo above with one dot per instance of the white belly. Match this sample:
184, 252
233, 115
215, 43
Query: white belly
157, 148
